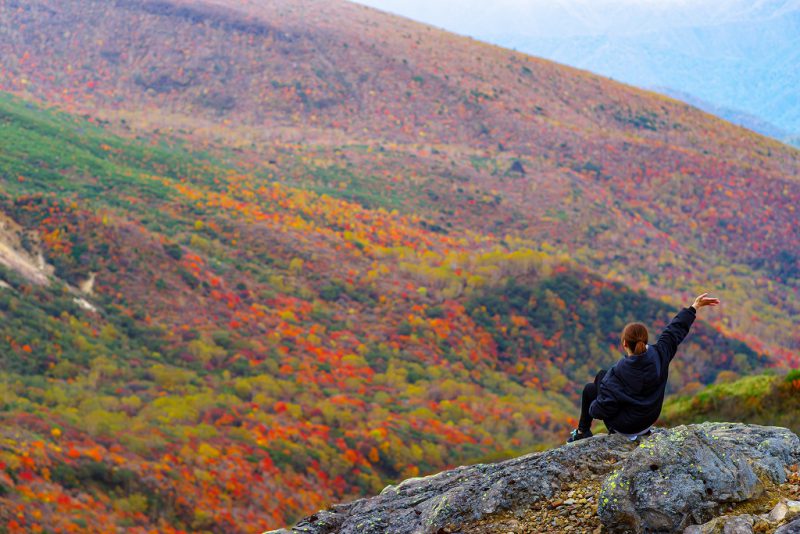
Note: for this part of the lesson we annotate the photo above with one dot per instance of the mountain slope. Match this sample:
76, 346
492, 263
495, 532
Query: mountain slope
757, 399
248, 351
627, 182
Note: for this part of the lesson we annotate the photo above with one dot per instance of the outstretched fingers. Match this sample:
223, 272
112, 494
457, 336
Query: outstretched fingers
705, 300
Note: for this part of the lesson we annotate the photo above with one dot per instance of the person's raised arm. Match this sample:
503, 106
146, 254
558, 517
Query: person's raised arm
678, 328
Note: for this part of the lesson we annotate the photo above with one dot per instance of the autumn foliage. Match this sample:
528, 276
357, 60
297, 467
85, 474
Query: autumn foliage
275, 289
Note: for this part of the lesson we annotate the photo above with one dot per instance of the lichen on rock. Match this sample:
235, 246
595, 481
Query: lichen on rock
684, 475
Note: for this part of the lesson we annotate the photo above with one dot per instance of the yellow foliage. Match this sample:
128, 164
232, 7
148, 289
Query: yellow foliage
354, 360
296, 266
206, 451
170, 377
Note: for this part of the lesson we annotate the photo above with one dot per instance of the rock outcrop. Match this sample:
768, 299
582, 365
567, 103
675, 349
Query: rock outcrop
667, 482
684, 476
14, 255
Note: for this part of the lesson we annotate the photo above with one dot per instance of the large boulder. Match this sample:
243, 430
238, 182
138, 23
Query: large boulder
442, 502
683, 476
663, 483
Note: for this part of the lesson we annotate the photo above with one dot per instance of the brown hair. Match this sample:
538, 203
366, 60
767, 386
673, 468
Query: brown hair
635, 336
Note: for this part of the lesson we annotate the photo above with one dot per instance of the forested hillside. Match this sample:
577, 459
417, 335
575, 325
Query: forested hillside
249, 350
298, 250
637, 186
763, 399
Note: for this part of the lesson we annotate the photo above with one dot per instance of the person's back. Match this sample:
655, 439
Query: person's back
629, 396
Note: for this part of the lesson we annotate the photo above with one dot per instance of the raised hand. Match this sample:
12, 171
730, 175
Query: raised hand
704, 300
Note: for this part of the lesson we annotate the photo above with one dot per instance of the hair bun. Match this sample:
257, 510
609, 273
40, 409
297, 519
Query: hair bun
634, 336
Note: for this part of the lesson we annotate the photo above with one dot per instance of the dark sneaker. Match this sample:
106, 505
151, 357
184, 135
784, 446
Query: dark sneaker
577, 434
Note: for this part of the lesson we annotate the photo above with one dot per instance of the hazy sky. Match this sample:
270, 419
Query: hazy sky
563, 18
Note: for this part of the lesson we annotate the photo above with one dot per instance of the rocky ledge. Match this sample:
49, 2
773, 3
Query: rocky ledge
698, 479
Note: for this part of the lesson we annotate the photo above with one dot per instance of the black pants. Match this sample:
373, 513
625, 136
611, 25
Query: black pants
589, 394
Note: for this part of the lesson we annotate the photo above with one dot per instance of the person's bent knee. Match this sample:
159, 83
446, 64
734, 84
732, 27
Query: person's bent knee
599, 376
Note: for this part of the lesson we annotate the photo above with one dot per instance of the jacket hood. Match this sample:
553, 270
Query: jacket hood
640, 375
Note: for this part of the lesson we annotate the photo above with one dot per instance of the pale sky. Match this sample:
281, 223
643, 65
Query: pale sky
563, 18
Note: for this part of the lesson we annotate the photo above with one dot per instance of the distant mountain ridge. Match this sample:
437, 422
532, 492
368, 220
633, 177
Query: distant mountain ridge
746, 120
738, 59
750, 122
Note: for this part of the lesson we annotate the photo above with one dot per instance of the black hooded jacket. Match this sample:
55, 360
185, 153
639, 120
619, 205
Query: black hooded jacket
630, 395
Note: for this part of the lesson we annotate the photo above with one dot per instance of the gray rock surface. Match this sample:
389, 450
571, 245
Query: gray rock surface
742, 524
697, 467
445, 500
790, 528
681, 477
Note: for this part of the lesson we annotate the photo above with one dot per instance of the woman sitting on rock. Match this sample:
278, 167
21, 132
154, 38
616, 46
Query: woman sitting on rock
628, 397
